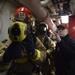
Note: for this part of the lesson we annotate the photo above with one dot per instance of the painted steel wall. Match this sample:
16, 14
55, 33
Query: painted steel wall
7, 10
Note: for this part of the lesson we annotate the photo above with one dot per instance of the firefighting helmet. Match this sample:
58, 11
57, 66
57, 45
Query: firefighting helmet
17, 31
42, 28
22, 14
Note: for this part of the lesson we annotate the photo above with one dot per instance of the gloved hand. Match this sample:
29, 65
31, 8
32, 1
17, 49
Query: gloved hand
14, 51
29, 45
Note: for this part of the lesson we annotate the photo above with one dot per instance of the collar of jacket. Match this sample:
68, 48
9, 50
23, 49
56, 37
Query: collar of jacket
65, 37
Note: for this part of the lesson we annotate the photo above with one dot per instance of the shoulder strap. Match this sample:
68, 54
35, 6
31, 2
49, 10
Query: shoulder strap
34, 39
46, 41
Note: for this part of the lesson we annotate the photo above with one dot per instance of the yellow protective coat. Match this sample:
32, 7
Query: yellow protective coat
24, 64
47, 67
3, 46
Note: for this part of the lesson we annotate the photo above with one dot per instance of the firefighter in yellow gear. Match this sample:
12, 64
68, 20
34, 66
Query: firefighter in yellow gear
21, 54
25, 61
47, 66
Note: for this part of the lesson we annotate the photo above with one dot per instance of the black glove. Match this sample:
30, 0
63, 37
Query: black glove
29, 45
14, 51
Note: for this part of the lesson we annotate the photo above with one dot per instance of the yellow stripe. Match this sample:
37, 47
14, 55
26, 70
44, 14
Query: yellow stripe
38, 56
4, 68
48, 52
21, 60
34, 73
2, 54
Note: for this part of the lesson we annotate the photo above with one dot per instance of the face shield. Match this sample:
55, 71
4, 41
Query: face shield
23, 14
20, 17
17, 31
42, 28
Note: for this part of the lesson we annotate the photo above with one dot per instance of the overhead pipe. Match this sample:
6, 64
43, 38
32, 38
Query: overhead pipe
45, 2
38, 11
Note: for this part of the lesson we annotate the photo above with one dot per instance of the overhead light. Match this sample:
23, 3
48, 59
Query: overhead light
65, 19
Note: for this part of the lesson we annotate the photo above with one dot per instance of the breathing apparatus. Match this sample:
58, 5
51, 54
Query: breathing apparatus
42, 28
17, 31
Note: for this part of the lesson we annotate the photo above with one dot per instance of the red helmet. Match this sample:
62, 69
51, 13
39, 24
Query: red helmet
23, 12
22, 9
